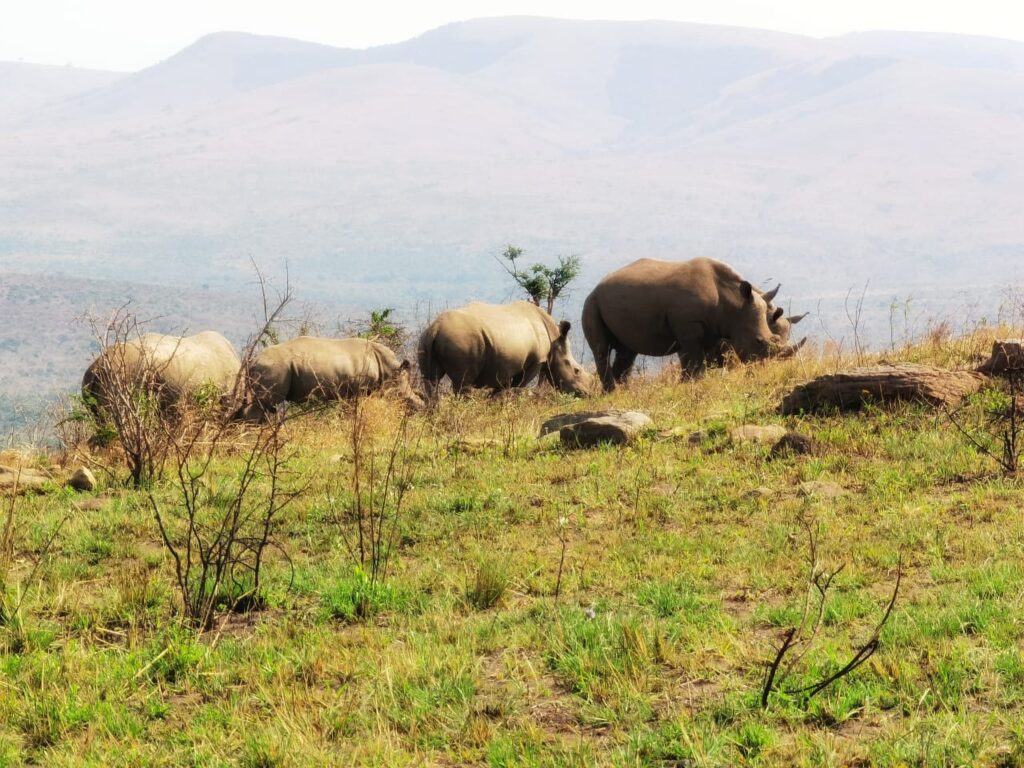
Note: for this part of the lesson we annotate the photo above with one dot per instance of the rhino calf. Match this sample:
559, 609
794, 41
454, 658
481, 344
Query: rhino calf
686, 308
497, 347
310, 367
169, 368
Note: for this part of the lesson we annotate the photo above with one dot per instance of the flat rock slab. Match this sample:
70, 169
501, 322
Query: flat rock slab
15, 480
851, 390
755, 433
618, 428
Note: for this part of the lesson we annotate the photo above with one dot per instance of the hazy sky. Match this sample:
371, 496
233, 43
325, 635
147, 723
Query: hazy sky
131, 34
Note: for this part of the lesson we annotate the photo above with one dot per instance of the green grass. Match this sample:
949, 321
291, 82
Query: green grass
684, 561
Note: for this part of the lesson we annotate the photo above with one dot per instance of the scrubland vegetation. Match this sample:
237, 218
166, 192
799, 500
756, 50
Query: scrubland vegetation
444, 588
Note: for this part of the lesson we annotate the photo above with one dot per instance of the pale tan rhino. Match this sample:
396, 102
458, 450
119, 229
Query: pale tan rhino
686, 308
170, 368
310, 367
497, 347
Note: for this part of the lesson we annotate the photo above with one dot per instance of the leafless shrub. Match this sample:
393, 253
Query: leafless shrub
1000, 436
378, 484
124, 391
13, 591
798, 640
219, 525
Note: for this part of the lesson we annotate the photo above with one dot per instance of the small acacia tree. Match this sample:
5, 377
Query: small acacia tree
541, 282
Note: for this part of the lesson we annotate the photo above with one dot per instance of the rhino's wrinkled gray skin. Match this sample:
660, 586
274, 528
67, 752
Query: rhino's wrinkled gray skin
310, 367
499, 346
684, 308
168, 367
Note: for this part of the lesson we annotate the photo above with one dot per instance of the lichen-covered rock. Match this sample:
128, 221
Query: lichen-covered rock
617, 428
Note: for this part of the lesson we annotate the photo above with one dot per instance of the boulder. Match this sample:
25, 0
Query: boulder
555, 423
754, 433
82, 480
1007, 355
793, 444
617, 428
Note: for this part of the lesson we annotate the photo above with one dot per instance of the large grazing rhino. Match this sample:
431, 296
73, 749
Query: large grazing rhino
685, 308
309, 367
499, 346
170, 368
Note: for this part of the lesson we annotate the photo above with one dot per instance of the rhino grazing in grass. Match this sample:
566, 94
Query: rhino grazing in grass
686, 308
169, 368
311, 367
497, 347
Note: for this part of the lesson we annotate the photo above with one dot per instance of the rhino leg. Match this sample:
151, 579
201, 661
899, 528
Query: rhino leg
690, 348
624, 360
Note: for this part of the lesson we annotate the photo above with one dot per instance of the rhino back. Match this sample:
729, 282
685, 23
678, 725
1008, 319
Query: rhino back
641, 303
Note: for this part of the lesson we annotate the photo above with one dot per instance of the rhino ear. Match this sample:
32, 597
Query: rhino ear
794, 319
563, 328
746, 291
777, 314
404, 366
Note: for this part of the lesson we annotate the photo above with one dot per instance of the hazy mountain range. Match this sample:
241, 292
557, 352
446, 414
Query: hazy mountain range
392, 176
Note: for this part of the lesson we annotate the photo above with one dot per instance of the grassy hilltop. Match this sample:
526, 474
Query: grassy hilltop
679, 565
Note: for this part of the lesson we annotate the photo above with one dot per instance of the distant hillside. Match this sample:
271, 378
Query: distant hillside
391, 176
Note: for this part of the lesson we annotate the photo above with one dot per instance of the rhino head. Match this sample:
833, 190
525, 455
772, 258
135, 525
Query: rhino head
561, 368
757, 330
402, 383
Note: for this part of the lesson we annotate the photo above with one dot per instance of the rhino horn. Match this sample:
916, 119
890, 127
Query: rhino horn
793, 319
770, 295
790, 350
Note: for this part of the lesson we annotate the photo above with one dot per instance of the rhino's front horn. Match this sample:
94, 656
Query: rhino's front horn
790, 350
793, 319
770, 295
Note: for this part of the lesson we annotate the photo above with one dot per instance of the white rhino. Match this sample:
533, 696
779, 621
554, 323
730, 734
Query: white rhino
499, 346
310, 367
170, 368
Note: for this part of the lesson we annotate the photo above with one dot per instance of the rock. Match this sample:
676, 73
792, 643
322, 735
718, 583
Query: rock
1007, 354
82, 480
555, 423
753, 433
677, 433
22, 480
617, 428
91, 504
850, 390
792, 444
761, 492
821, 489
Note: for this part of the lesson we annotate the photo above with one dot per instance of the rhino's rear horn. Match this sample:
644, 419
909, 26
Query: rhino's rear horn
770, 295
